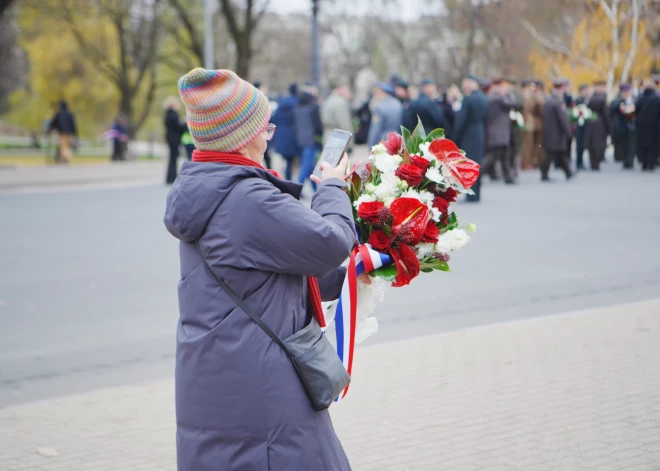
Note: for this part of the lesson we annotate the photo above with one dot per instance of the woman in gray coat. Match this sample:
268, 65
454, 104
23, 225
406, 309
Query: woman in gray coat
239, 403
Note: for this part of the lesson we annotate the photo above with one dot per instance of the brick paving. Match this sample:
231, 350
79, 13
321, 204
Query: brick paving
579, 391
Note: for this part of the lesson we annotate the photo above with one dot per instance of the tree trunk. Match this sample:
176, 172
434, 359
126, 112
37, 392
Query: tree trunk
243, 57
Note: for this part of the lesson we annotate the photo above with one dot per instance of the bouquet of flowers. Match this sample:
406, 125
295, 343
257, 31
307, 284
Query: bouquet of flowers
518, 119
401, 205
582, 113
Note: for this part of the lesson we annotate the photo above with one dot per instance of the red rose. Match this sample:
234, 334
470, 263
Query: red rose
370, 212
379, 241
441, 204
449, 194
407, 265
411, 174
431, 234
393, 143
420, 162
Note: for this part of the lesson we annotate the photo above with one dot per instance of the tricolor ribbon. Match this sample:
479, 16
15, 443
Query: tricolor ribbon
363, 259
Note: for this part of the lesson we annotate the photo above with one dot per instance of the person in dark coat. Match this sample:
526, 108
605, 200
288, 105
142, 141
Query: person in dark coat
498, 132
584, 93
240, 406
470, 129
596, 131
647, 124
448, 111
173, 131
623, 110
309, 130
556, 131
427, 109
65, 124
285, 141
119, 135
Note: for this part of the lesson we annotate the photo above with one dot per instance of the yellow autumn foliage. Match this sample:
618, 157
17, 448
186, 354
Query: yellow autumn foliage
592, 41
57, 70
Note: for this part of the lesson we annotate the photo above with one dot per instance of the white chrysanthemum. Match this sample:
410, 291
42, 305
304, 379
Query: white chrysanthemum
424, 151
449, 177
385, 163
436, 214
452, 240
370, 188
384, 190
364, 198
425, 250
434, 175
388, 201
423, 196
379, 149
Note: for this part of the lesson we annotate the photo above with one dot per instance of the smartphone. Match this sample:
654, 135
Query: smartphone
334, 149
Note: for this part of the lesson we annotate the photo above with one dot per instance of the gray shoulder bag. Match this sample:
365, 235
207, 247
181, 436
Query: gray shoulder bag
315, 360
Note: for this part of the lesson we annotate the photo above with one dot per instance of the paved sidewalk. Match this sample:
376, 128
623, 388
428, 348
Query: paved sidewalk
94, 175
574, 392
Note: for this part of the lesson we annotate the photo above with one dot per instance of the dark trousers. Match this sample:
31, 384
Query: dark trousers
171, 167
117, 150
624, 149
596, 156
560, 156
190, 148
579, 147
648, 157
500, 154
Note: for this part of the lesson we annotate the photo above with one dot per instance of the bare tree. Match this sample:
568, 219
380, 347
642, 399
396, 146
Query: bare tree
4, 6
131, 65
242, 22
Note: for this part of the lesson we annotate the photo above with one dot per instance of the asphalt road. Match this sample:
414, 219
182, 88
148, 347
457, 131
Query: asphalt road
88, 279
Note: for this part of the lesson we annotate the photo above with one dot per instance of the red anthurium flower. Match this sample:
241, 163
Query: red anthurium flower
407, 265
393, 143
420, 162
411, 173
464, 170
409, 220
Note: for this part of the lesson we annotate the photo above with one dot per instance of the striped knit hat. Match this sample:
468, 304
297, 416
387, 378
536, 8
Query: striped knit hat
224, 112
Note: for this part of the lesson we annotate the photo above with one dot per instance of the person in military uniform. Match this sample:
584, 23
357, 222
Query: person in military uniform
556, 131
597, 130
514, 95
623, 110
532, 136
584, 92
498, 132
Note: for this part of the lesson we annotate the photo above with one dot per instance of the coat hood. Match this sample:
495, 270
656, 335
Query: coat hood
201, 188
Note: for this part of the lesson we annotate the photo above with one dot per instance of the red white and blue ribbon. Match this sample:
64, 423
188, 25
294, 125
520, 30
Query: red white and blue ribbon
363, 259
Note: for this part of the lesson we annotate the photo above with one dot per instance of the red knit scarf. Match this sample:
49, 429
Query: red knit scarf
314, 293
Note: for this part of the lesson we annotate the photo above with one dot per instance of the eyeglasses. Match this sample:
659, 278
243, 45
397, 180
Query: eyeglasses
270, 131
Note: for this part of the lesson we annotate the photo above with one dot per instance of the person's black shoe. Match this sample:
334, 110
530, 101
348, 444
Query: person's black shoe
547, 180
509, 181
570, 176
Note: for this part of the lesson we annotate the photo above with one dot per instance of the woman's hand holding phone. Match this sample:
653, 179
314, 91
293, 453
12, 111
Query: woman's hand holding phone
327, 171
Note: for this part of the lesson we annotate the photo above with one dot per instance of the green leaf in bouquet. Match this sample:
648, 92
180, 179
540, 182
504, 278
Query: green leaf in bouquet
387, 230
419, 134
434, 265
426, 270
407, 139
388, 273
435, 134
452, 222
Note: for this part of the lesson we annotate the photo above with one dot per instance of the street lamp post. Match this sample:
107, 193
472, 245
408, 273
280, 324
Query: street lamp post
316, 53
209, 52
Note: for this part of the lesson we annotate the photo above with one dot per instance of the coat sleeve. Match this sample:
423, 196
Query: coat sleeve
564, 123
331, 284
461, 120
277, 233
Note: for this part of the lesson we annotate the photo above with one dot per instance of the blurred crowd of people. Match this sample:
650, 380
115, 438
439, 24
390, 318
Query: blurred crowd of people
502, 124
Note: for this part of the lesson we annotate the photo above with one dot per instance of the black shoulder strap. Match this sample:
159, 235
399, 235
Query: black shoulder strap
240, 303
